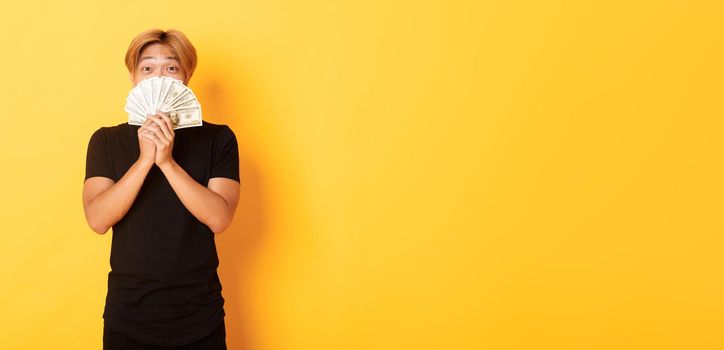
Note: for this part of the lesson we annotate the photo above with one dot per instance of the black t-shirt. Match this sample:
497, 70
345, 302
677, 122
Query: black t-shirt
163, 286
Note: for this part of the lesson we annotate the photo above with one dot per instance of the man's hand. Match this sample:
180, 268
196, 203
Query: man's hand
160, 131
148, 148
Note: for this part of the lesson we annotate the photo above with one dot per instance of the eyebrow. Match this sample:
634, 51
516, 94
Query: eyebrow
153, 58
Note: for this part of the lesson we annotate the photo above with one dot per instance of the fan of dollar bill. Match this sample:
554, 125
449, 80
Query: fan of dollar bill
167, 95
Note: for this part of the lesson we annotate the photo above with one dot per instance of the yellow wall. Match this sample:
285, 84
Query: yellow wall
416, 174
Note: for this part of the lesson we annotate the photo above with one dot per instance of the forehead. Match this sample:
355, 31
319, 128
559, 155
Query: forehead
157, 51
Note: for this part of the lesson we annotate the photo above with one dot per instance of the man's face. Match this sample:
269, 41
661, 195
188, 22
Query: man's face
157, 60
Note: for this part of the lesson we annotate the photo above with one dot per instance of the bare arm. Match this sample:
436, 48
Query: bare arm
105, 202
213, 205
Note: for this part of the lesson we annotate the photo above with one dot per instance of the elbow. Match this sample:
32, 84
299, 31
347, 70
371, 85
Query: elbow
97, 227
217, 229
219, 226
100, 230
92, 219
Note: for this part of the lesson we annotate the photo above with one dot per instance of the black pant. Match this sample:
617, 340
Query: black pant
113, 340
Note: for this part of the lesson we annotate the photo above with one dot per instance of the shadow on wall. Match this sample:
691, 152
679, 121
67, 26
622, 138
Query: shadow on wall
239, 245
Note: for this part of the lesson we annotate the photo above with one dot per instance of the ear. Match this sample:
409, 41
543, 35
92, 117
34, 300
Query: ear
130, 77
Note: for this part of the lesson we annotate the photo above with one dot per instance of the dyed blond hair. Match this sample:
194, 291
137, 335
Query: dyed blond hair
172, 38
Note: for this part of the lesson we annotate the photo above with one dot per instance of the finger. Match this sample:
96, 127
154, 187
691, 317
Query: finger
149, 140
157, 131
154, 138
168, 121
141, 131
147, 133
167, 126
164, 127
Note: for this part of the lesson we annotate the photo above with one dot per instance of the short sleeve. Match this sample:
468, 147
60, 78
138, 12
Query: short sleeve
225, 161
98, 162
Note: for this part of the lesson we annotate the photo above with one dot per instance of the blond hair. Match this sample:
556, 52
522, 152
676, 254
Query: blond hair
174, 39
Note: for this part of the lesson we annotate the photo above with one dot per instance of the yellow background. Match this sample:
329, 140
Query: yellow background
415, 174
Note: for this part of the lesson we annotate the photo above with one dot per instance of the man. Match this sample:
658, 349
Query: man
166, 193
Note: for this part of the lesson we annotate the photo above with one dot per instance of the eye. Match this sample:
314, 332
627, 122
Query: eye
146, 69
173, 69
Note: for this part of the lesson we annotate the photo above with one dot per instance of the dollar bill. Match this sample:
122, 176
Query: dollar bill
184, 118
167, 95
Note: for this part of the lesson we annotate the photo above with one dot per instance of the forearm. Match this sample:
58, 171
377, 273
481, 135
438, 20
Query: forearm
111, 205
207, 206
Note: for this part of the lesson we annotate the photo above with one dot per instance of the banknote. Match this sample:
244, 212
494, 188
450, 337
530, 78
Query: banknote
167, 95
184, 118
